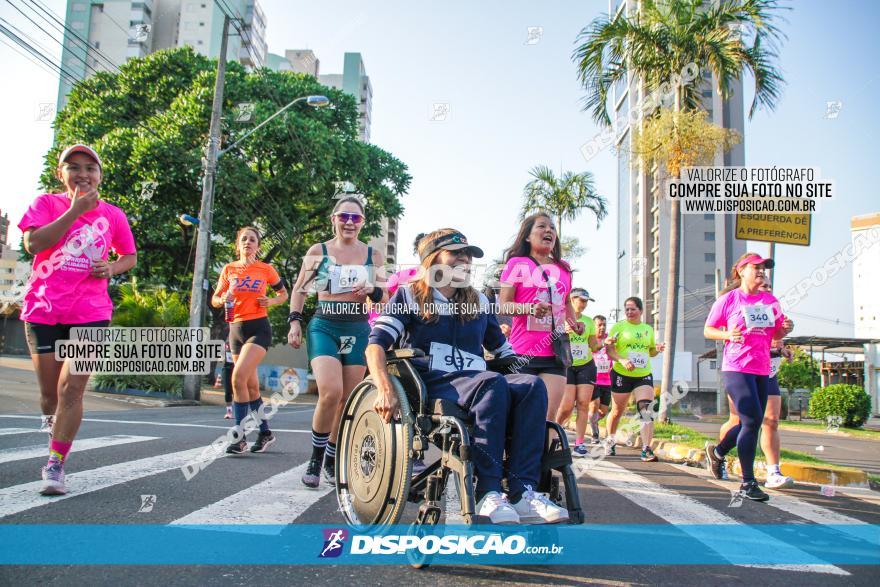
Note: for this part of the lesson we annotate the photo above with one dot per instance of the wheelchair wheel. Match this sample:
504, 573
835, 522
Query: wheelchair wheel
374, 461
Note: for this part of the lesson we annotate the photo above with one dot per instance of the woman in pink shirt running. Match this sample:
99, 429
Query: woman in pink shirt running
70, 235
751, 320
535, 285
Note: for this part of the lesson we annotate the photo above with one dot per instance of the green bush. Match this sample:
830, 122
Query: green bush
139, 308
850, 402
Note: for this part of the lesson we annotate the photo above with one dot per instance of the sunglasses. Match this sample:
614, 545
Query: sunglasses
346, 217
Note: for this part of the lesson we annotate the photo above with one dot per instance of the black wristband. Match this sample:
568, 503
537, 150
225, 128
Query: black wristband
376, 295
295, 317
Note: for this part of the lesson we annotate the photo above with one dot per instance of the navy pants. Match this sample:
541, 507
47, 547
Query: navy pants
749, 395
502, 406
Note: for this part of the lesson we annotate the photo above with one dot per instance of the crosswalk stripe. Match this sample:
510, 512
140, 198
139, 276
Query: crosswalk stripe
789, 504
10, 431
148, 423
280, 499
684, 511
25, 496
42, 450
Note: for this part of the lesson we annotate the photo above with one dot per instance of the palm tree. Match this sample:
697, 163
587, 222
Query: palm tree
563, 197
655, 45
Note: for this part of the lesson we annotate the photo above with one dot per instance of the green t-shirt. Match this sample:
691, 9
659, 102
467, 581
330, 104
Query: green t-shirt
580, 343
634, 342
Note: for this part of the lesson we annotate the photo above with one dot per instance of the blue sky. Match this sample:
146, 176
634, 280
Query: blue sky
515, 105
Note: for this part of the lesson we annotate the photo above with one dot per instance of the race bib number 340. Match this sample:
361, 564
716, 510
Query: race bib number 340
758, 316
448, 359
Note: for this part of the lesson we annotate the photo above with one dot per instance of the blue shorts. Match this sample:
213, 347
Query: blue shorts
773, 387
345, 341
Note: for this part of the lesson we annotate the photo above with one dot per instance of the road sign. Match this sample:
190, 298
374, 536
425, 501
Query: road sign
784, 229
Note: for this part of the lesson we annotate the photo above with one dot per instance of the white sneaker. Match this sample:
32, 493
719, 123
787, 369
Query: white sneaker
536, 508
778, 481
46, 423
495, 506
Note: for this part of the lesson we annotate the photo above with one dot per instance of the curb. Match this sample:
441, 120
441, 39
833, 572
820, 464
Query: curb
802, 473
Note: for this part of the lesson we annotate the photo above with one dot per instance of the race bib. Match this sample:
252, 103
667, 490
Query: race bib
445, 358
344, 278
639, 360
579, 351
759, 316
603, 363
775, 363
539, 324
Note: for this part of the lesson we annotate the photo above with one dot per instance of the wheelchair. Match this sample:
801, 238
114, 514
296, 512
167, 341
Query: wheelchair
374, 479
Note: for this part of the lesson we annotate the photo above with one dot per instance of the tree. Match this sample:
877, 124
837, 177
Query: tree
150, 122
801, 373
572, 249
656, 45
563, 197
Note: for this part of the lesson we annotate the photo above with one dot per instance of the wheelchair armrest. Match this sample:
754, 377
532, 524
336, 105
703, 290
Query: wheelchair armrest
503, 365
399, 354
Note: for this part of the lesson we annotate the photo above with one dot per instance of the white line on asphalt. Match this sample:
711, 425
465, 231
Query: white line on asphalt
9, 431
42, 450
25, 496
452, 503
685, 512
157, 423
789, 504
277, 501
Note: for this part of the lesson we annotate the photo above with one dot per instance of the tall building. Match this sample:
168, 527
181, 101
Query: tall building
707, 240
866, 305
117, 30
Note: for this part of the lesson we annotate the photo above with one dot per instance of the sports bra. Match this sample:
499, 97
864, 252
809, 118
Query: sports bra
326, 268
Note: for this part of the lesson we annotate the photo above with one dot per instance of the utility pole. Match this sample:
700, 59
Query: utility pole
192, 384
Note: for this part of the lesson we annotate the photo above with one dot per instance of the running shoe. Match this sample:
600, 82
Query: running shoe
753, 491
714, 465
311, 478
53, 478
264, 439
495, 506
580, 451
329, 470
46, 424
778, 481
610, 449
237, 448
536, 508
648, 455
228, 415
595, 440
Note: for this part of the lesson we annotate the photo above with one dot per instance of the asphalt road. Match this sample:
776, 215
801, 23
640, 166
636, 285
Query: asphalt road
622, 491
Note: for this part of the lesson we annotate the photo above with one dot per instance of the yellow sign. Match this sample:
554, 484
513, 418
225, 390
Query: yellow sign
784, 229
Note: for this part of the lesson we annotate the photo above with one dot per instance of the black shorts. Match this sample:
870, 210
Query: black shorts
538, 365
256, 331
773, 386
582, 374
625, 383
41, 338
603, 394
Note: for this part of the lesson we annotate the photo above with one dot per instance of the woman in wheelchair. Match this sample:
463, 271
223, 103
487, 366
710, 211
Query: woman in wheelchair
451, 322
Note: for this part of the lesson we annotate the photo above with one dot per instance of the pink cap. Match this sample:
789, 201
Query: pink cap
756, 260
79, 148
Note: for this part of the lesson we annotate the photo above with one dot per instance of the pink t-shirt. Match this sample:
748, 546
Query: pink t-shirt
528, 336
602, 360
61, 289
759, 317
398, 278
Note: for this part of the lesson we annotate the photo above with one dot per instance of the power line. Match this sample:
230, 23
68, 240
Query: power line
38, 54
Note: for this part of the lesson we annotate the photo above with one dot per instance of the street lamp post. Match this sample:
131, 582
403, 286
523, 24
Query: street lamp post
192, 383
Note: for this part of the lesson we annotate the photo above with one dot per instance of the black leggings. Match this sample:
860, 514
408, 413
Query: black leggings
748, 393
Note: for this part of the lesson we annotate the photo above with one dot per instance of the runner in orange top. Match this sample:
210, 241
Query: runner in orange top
244, 284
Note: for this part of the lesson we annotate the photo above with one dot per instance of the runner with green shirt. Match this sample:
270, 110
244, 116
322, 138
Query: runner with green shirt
631, 344
581, 376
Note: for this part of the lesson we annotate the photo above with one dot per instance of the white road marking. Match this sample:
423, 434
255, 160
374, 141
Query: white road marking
277, 501
42, 450
10, 431
159, 423
25, 496
681, 510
